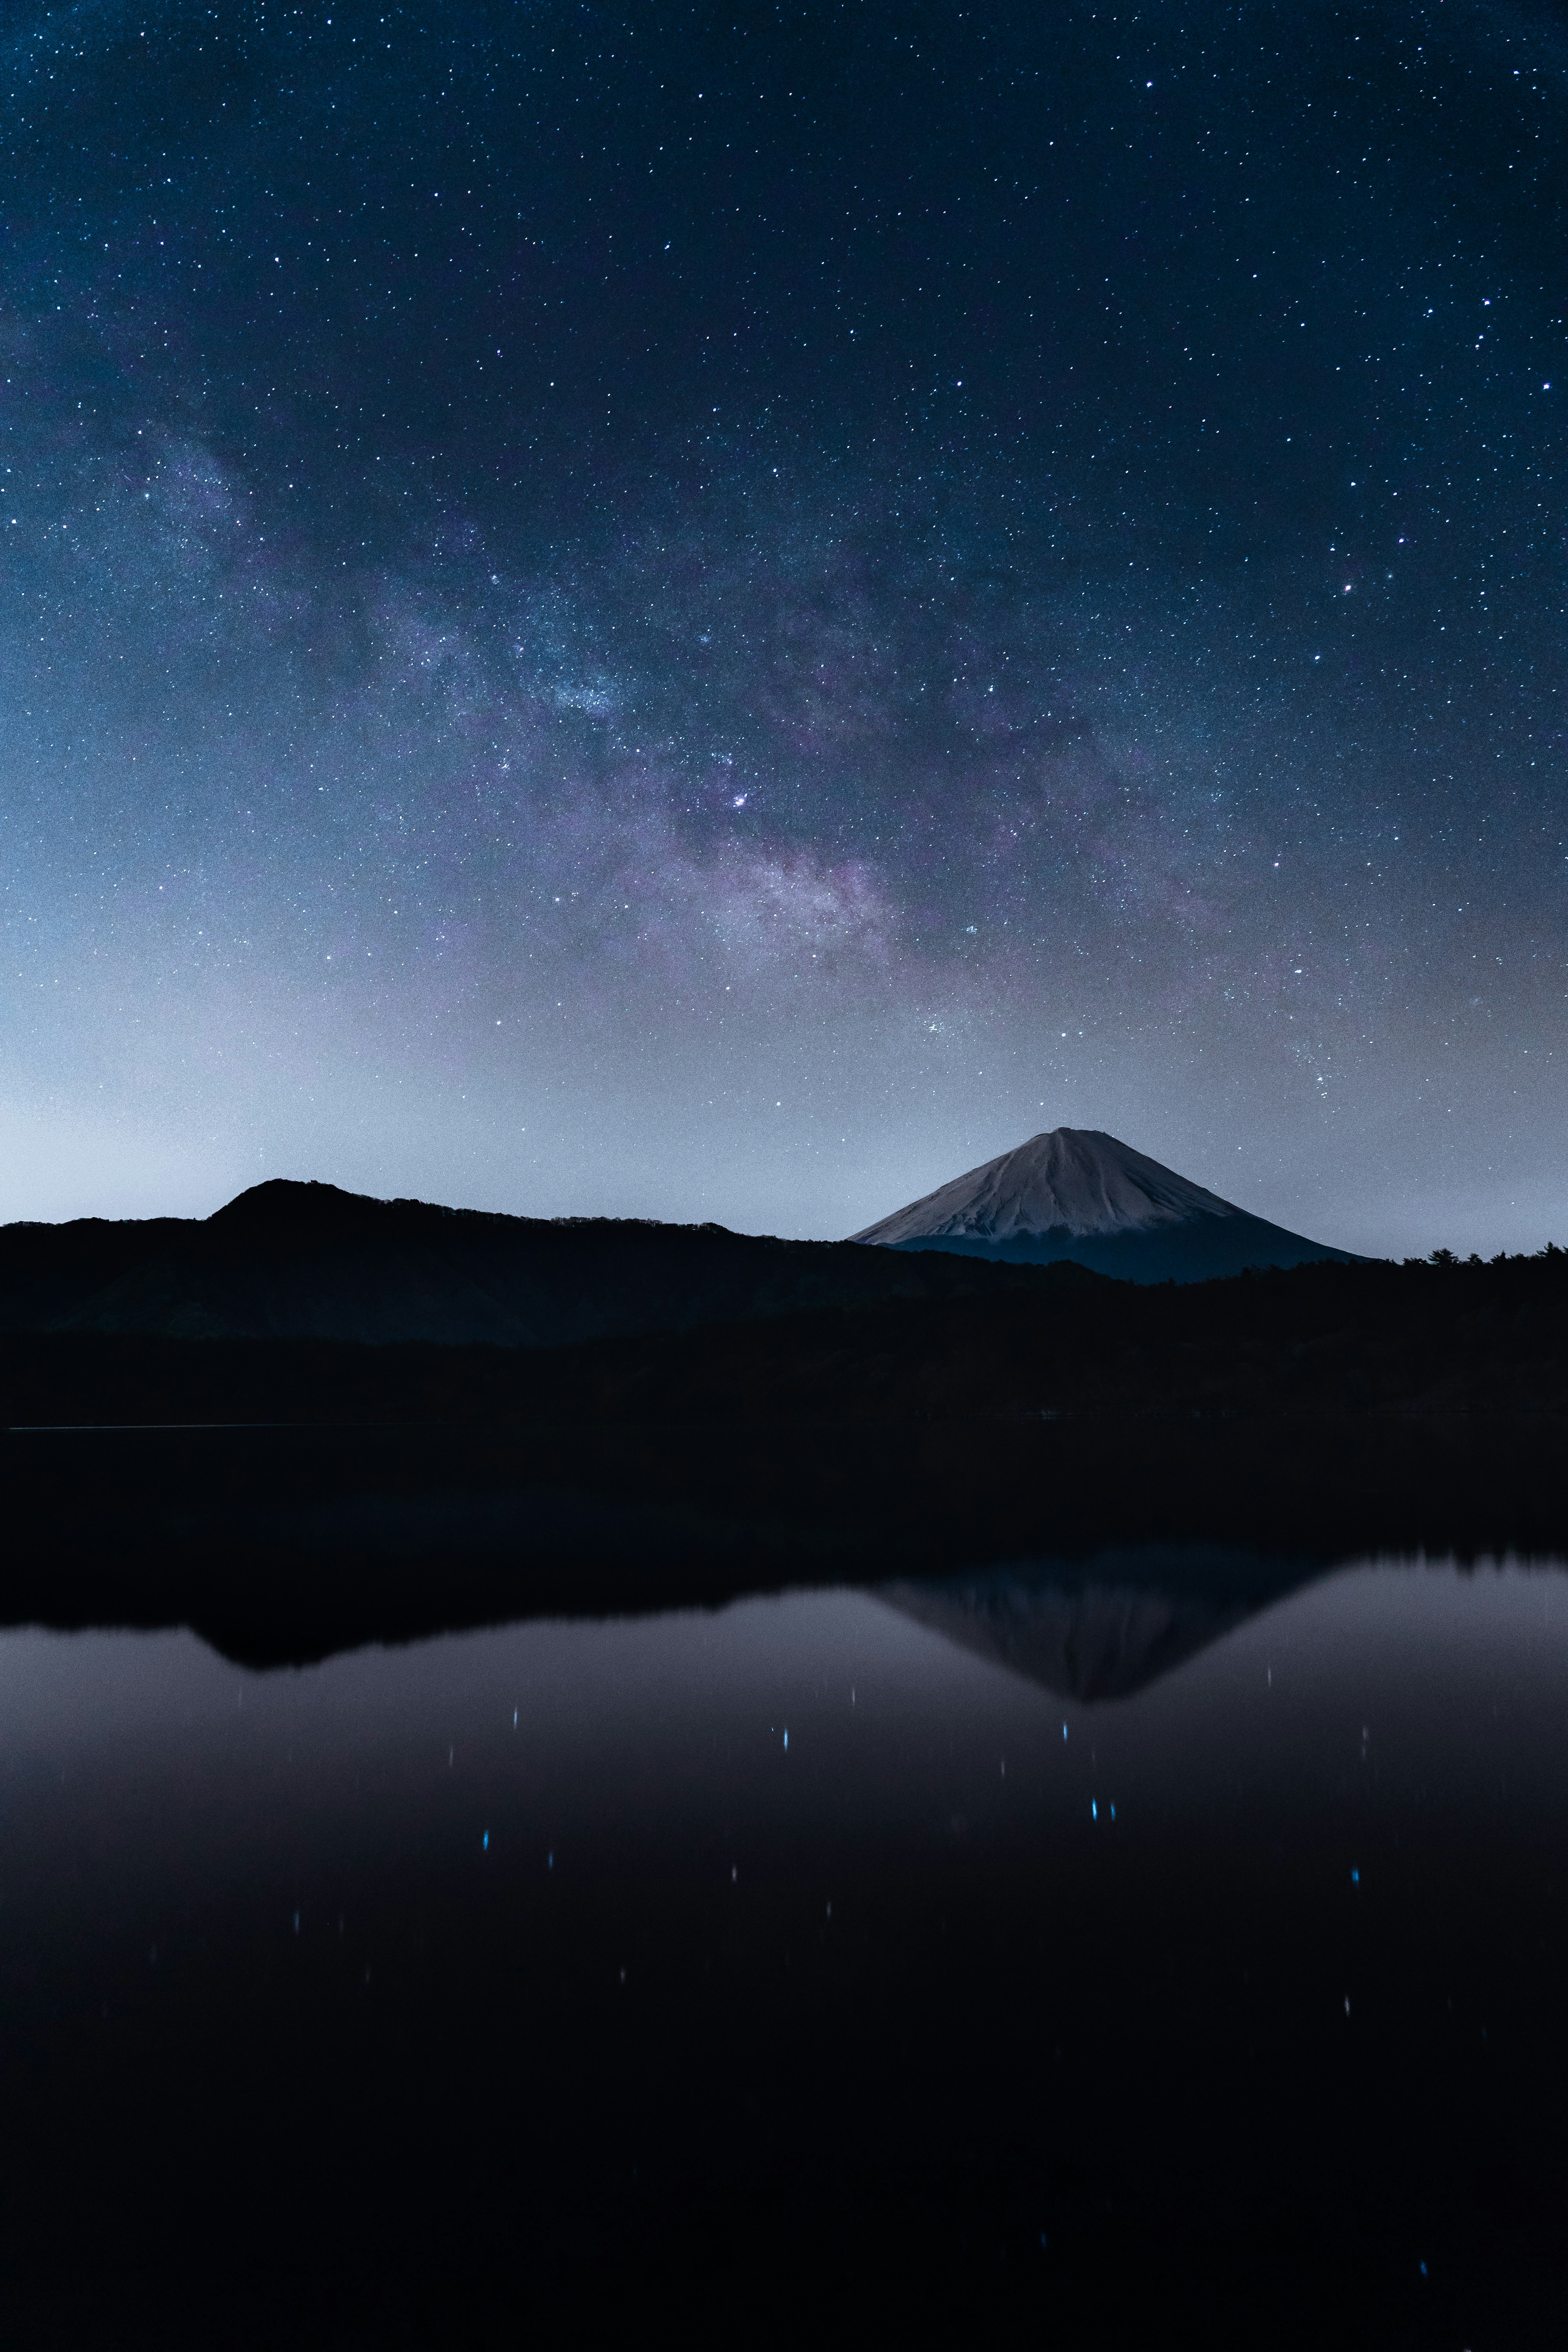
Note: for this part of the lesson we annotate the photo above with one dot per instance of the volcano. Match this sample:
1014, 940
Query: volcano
1080, 1193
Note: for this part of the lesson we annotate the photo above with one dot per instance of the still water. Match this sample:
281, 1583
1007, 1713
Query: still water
1048, 1947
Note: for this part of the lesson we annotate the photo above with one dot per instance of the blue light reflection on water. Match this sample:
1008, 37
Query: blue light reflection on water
1332, 1903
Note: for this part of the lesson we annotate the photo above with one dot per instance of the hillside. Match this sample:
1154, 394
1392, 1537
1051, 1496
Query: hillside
287, 1260
291, 1494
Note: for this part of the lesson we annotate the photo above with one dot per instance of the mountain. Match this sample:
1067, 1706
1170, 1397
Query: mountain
308, 1262
1105, 1628
1078, 1193
298, 1261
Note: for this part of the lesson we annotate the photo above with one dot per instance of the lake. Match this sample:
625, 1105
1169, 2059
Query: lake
1166, 1934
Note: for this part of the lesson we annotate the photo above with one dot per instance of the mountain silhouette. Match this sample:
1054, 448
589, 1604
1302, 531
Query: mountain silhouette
305, 1261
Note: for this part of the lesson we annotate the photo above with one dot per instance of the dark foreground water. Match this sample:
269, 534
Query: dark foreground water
801, 1963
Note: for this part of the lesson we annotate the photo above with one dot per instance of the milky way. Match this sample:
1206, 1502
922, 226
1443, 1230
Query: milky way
701, 614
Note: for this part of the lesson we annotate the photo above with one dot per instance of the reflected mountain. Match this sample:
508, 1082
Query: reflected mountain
1107, 1627
257, 1541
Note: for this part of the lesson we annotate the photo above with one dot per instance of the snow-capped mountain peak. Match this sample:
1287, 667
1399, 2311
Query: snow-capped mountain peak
1073, 1183
1080, 1193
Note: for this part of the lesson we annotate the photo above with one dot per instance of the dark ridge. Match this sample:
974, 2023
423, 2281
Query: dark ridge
307, 1261
1205, 1249
355, 1491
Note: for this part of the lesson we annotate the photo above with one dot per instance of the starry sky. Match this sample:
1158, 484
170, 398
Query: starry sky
724, 612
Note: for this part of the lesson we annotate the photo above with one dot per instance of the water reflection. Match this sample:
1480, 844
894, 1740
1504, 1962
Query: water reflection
1104, 1628
825, 1943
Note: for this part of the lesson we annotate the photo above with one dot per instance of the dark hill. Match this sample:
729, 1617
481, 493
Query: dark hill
289, 1261
298, 1493
1208, 1249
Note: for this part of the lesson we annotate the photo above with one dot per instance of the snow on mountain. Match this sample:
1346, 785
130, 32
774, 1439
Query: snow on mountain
1074, 1181
1078, 1192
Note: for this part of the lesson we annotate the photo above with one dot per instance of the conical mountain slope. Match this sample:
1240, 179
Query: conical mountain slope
1106, 1628
1080, 1193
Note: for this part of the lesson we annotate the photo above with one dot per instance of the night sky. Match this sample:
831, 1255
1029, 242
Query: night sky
724, 613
